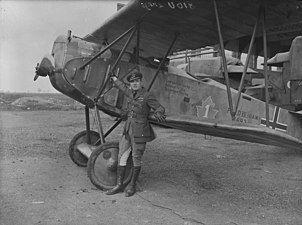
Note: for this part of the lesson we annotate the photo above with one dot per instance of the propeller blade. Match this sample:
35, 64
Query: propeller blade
46, 67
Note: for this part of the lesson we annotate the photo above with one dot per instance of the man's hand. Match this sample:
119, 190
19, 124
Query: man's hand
112, 76
124, 115
160, 117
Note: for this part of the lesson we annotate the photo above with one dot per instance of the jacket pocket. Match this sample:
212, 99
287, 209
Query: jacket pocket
141, 128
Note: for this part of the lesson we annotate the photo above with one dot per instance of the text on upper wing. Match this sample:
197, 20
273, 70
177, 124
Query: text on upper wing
170, 4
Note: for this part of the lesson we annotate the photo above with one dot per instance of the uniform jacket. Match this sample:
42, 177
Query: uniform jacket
138, 109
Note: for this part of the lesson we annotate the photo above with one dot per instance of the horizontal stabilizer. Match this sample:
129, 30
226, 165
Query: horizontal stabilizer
279, 59
261, 86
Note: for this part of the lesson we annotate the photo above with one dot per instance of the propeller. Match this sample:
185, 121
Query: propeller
46, 67
36, 74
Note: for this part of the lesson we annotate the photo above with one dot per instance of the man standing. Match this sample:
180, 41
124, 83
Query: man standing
137, 130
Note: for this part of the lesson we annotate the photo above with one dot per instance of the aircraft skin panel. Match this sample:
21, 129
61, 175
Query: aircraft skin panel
205, 101
191, 122
201, 106
60, 83
195, 21
88, 80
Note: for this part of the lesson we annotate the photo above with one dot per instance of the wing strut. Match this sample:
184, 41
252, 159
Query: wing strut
137, 44
87, 124
133, 29
265, 65
247, 59
100, 126
137, 62
163, 60
117, 61
108, 46
226, 75
261, 15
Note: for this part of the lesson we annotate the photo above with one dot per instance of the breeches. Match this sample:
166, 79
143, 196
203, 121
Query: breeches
127, 145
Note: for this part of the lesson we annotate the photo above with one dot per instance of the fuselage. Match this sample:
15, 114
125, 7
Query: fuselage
193, 105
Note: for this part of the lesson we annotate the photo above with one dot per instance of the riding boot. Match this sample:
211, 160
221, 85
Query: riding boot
120, 179
132, 186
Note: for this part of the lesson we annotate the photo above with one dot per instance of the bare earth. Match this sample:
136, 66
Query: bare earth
187, 178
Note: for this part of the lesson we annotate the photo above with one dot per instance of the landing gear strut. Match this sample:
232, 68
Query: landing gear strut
88, 148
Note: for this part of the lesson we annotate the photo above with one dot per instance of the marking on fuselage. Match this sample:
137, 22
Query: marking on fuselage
274, 124
206, 109
245, 117
177, 88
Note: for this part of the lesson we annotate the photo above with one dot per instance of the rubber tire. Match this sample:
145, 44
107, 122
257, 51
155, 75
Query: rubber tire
79, 138
92, 172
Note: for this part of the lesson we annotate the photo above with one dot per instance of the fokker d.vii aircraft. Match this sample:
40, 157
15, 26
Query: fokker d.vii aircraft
142, 36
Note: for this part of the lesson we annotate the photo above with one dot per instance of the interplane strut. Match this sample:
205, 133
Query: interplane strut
261, 15
226, 75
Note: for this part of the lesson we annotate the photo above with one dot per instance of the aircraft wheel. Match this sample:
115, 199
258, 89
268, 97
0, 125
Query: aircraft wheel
102, 166
76, 156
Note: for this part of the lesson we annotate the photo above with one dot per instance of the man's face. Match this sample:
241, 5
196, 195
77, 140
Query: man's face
136, 84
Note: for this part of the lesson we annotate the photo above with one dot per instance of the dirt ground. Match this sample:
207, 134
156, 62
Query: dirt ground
187, 178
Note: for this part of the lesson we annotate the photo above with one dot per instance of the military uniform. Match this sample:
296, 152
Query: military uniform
137, 131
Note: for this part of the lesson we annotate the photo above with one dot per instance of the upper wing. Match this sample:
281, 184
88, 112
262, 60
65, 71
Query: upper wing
195, 21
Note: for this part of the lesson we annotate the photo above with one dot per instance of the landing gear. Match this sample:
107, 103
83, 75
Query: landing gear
76, 156
102, 166
100, 158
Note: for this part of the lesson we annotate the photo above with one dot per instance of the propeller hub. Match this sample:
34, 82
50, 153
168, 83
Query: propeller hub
46, 67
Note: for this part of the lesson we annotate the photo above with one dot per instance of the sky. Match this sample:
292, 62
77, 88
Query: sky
28, 29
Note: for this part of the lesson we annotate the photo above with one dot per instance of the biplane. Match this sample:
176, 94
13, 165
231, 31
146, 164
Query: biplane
142, 36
